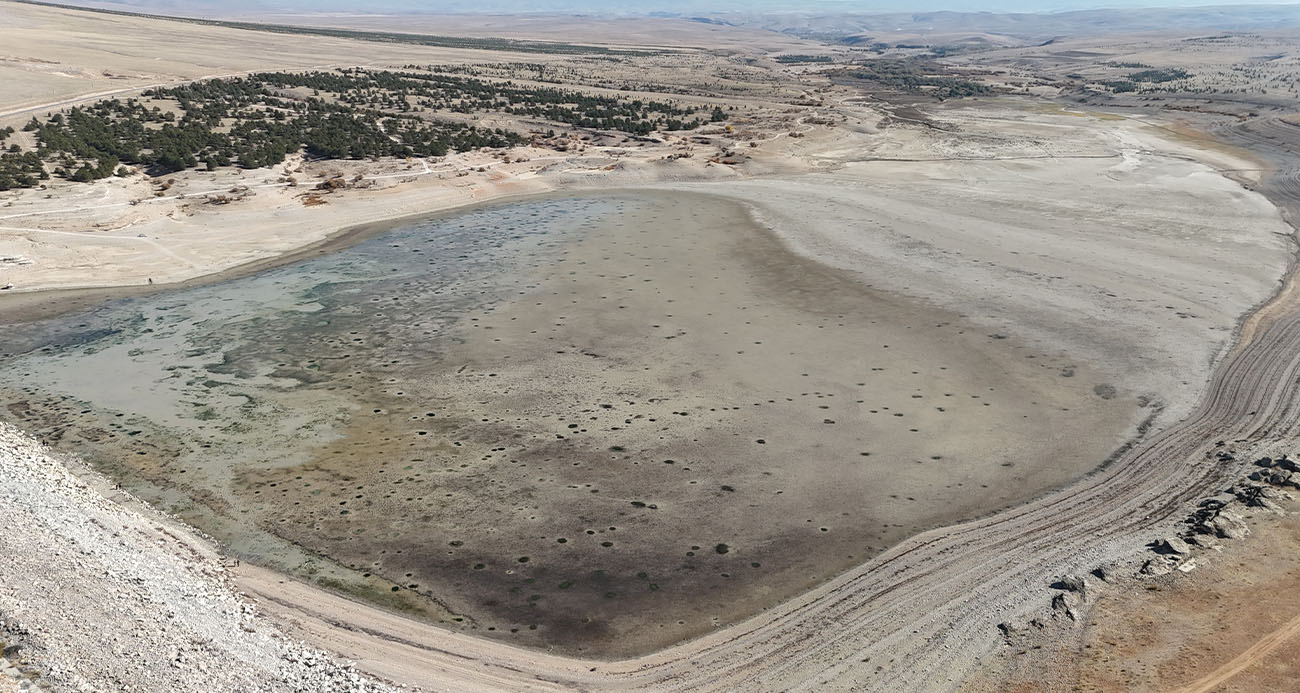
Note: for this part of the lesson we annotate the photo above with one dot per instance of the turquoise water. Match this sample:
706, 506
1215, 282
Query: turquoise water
188, 396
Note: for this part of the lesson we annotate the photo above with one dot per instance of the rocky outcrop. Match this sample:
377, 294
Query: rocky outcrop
1218, 518
1222, 516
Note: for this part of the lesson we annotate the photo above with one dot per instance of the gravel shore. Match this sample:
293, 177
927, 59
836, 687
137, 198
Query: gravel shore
97, 596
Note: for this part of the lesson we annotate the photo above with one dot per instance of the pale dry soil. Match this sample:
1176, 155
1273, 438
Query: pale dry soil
1193, 633
1109, 240
50, 55
617, 31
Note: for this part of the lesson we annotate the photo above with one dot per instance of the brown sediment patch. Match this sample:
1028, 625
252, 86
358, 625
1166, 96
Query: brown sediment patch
675, 383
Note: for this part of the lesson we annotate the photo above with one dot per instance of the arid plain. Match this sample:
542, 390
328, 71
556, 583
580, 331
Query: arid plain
758, 382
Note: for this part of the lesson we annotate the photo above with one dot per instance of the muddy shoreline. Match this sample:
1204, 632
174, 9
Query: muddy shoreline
21, 307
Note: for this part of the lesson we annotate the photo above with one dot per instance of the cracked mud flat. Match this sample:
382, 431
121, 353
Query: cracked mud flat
600, 424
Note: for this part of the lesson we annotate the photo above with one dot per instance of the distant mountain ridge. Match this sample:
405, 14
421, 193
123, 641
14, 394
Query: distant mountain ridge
1040, 25
825, 19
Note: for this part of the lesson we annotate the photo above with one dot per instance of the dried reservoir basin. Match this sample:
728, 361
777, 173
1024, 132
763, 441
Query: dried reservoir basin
599, 424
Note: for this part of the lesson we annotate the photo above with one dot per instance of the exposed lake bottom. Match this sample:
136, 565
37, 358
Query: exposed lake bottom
600, 424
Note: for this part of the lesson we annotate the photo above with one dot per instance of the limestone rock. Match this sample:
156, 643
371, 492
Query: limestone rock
1174, 545
1156, 567
1066, 602
1078, 584
1217, 501
1230, 525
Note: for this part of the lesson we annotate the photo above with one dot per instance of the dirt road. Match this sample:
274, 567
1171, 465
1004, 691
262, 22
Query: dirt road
1252, 656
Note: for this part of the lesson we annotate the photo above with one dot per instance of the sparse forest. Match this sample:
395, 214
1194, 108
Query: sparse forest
917, 77
418, 91
1147, 80
797, 59
257, 121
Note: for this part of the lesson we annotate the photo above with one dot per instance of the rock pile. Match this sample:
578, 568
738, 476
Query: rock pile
1221, 516
1279, 472
1215, 519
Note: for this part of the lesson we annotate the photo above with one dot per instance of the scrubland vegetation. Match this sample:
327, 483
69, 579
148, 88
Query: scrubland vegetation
257, 121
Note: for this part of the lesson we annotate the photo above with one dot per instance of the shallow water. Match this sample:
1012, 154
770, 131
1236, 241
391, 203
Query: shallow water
181, 393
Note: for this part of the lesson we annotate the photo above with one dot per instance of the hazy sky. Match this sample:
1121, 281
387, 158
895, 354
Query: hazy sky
686, 7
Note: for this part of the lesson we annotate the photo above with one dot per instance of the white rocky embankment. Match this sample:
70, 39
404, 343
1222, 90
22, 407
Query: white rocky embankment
95, 596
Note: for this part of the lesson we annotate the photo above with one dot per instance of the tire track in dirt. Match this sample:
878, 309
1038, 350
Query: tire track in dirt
1252, 656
